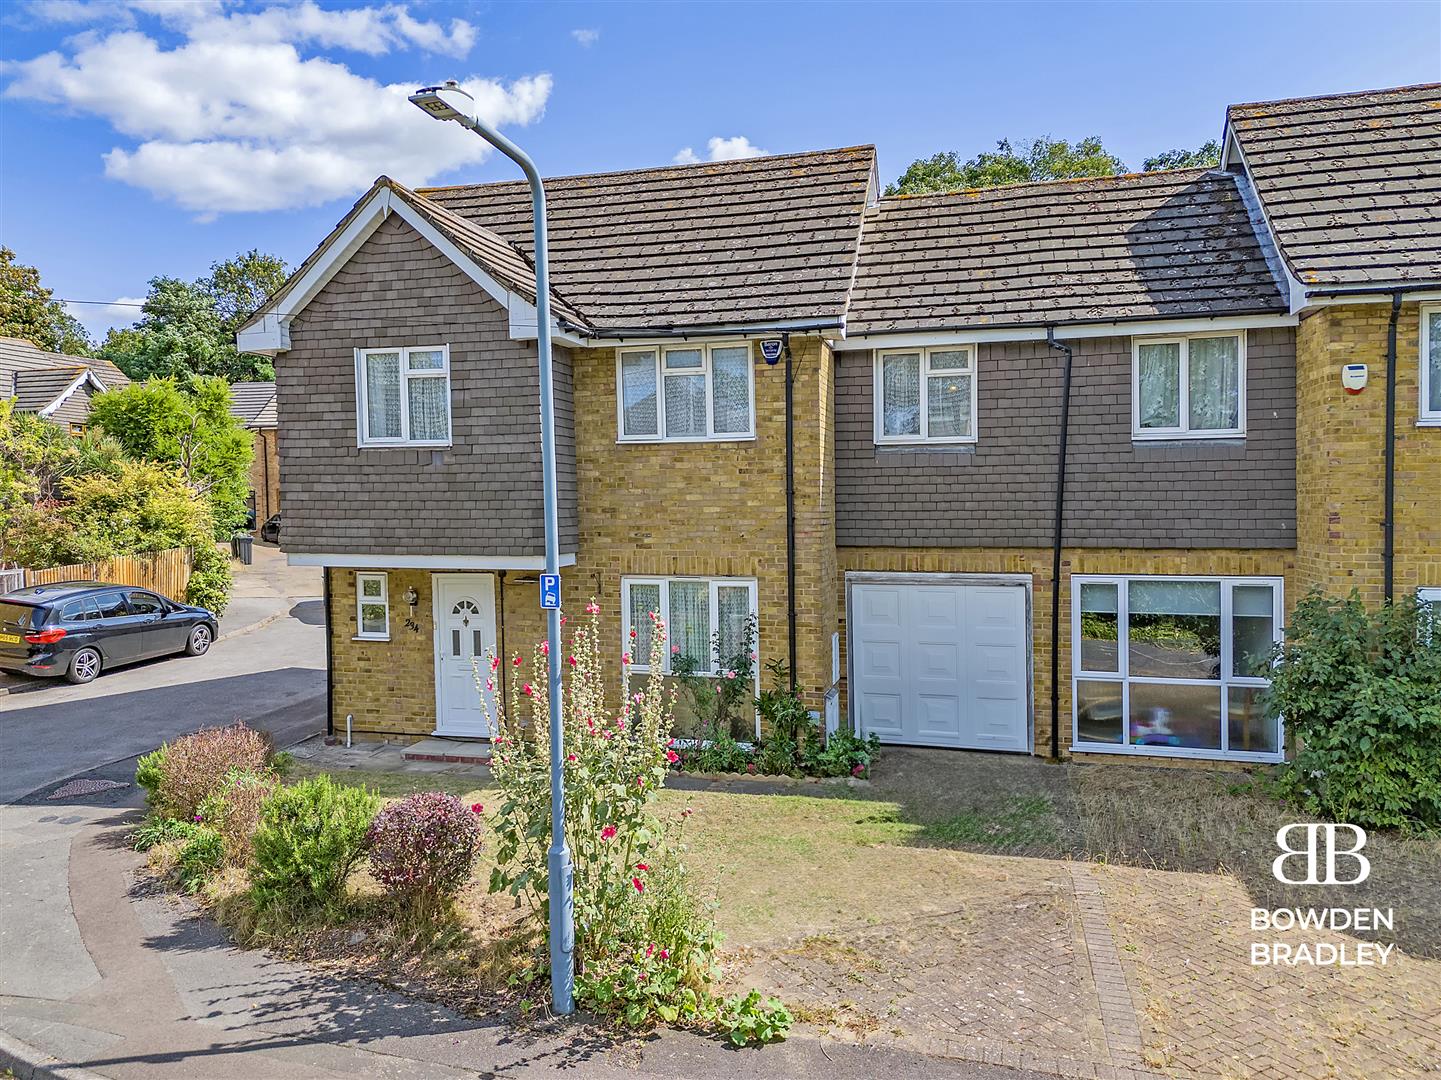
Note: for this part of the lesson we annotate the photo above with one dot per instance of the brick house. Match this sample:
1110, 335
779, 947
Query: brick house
932, 578
56, 386
253, 404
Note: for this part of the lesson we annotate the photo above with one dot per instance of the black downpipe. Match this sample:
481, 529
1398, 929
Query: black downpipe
1056, 538
1388, 524
790, 509
500, 643
329, 658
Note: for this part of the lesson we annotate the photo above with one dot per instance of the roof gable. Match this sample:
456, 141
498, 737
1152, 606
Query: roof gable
1350, 183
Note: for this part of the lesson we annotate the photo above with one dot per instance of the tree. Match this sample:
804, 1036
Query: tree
189, 426
1205, 156
1039, 159
29, 310
188, 328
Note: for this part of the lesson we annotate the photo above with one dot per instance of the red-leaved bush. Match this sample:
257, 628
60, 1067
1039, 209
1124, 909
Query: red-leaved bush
422, 847
197, 765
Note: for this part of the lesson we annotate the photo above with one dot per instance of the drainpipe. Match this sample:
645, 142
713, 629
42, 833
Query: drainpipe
1056, 537
1388, 524
329, 658
790, 509
500, 643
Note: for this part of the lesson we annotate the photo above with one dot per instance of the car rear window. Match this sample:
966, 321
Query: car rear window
22, 616
82, 610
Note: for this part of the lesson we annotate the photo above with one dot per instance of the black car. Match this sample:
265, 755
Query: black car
270, 531
78, 628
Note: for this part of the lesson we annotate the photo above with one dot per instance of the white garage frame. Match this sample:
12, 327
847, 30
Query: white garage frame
887, 577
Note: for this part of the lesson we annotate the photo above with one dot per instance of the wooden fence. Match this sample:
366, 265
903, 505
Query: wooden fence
166, 572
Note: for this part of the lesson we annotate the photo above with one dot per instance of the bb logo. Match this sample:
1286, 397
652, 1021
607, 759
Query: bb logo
1321, 843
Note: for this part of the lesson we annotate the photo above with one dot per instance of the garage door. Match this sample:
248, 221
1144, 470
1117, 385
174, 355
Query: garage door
941, 665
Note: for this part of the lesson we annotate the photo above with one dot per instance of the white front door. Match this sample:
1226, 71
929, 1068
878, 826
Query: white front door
464, 641
941, 665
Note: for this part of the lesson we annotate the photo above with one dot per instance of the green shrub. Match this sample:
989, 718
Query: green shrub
196, 766
785, 719
201, 856
310, 837
160, 830
1360, 692
840, 753
234, 811
211, 579
751, 1019
150, 773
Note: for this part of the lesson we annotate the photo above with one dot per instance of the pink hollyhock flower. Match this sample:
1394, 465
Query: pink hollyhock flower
672, 756
592, 608
665, 954
607, 832
562, 620
687, 812
570, 757
490, 684
494, 662
639, 885
753, 656
527, 690
717, 689
572, 661
638, 697
750, 766
625, 658
649, 949
516, 662
642, 867
477, 808
640, 781
632, 632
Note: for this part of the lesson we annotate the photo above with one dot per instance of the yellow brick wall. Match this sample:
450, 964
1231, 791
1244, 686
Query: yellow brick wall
1037, 563
1340, 454
714, 509
265, 474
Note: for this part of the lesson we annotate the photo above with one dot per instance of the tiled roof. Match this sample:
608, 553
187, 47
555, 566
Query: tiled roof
37, 388
17, 354
752, 241
253, 403
1145, 246
1351, 184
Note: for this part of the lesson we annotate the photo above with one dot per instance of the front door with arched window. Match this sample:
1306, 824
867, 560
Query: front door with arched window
464, 642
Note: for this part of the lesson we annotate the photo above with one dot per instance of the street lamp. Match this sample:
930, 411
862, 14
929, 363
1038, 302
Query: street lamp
562, 902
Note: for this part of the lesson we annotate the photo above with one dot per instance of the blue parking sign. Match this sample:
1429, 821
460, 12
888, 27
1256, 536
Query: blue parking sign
549, 591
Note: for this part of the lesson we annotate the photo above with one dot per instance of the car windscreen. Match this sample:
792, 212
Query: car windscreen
22, 616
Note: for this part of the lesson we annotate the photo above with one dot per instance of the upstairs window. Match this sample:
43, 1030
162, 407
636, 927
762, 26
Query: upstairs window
1189, 387
1430, 412
403, 396
685, 393
926, 395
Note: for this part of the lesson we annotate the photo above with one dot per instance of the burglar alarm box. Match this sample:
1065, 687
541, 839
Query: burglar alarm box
1353, 378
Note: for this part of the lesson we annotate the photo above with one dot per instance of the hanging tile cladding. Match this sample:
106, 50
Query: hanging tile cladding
480, 496
1001, 492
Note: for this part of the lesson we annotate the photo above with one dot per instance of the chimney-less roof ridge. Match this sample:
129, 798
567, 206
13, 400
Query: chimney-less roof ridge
1030, 185
1379, 91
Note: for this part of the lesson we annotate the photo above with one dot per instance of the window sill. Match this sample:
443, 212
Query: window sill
691, 439
1429, 421
370, 637
1176, 752
405, 446
1188, 436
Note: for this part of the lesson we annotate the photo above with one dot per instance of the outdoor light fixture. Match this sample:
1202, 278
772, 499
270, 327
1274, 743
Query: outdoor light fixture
561, 884
412, 598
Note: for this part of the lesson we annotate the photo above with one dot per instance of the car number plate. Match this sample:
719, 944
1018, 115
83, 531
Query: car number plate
13, 639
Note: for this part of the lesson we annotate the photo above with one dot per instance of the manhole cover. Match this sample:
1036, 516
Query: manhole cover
83, 787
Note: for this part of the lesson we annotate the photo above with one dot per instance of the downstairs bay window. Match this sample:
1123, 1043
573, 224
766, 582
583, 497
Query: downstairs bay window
1174, 666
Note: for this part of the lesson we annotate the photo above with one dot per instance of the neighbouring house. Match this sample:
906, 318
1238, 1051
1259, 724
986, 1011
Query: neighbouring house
1181, 347
54, 385
253, 404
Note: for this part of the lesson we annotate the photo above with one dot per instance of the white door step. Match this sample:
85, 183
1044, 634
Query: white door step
453, 751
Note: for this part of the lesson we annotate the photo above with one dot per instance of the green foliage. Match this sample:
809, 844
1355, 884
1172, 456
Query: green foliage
211, 579
196, 766
840, 753
715, 752
150, 773
752, 1020
29, 310
311, 836
1205, 156
161, 830
188, 328
188, 426
721, 704
199, 857
233, 810
1039, 159
1360, 692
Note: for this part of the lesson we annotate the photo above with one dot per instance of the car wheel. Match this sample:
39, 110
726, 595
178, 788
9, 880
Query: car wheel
198, 644
84, 666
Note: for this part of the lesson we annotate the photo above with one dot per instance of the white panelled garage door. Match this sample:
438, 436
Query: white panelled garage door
944, 664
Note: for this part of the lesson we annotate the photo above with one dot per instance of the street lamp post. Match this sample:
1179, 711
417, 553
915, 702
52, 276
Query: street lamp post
562, 903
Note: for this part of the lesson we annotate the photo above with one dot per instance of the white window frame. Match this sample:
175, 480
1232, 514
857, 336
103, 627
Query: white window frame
639, 648
361, 576
362, 412
706, 349
878, 395
1185, 431
1123, 676
1426, 417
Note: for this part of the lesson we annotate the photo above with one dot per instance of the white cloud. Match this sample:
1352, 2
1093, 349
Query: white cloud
586, 38
235, 117
99, 318
721, 149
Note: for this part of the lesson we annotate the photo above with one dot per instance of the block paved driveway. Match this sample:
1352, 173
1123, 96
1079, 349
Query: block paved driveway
1086, 970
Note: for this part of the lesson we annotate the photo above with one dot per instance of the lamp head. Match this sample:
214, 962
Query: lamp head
428, 98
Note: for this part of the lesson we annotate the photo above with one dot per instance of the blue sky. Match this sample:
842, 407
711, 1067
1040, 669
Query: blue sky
147, 137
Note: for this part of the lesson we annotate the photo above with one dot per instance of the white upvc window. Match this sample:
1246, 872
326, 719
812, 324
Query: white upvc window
402, 396
926, 395
699, 612
1190, 386
687, 392
1430, 411
372, 607
1174, 666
